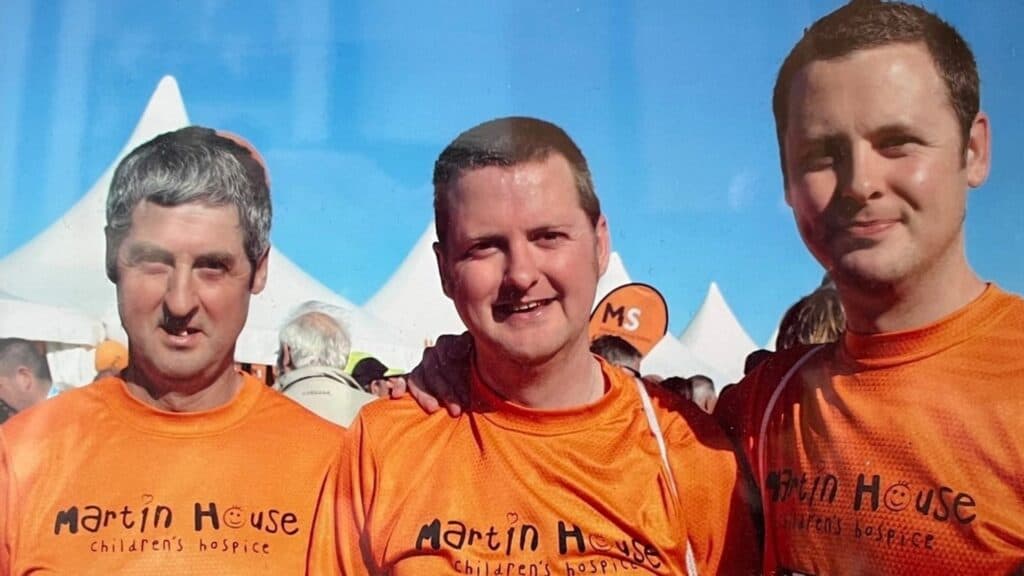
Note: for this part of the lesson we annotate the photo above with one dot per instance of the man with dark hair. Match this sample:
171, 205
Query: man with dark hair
560, 463
898, 449
174, 465
618, 352
24, 375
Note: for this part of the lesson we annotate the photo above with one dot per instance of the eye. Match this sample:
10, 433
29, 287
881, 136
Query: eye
550, 237
897, 145
820, 157
212, 270
481, 249
152, 267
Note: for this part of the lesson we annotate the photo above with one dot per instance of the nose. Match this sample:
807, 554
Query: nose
181, 299
861, 177
521, 270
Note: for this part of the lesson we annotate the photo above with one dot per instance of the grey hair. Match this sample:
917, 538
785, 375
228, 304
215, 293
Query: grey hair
316, 339
15, 352
193, 164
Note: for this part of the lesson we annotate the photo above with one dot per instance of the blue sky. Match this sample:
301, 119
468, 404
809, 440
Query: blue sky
351, 102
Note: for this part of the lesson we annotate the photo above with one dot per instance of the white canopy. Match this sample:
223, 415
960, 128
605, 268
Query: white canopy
412, 300
715, 336
20, 318
64, 265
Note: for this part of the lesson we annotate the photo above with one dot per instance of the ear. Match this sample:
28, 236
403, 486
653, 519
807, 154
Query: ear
259, 275
442, 269
286, 356
978, 151
604, 244
24, 379
111, 253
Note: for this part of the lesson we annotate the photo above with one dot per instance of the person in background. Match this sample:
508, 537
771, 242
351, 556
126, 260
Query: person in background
313, 349
24, 376
617, 351
703, 392
817, 318
110, 358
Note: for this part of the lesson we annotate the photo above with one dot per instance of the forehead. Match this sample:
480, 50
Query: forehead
891, 83
505, 191
189, 224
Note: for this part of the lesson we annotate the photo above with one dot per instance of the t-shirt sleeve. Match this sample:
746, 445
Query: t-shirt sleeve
715, 500
323, 559
356, 486
8, 501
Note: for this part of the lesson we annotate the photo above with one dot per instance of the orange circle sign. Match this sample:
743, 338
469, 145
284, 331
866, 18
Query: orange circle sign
635, 312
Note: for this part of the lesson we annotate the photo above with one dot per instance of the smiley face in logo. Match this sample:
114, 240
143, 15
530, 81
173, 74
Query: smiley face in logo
598, 542
897, 497
234, 517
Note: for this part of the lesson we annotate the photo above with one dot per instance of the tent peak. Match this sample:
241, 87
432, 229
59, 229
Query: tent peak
165, 111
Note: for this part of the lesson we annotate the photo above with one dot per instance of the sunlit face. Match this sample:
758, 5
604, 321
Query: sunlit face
183, 290
877, 172
522, 260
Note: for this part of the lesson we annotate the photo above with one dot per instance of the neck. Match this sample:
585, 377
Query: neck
913, 302
564, 381
192, 395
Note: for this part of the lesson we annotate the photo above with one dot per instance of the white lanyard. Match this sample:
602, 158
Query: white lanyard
652, 421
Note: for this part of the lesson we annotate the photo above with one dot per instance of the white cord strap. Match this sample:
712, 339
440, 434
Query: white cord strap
652, 421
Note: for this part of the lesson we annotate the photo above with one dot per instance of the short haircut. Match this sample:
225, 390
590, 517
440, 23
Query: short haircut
193, 164
616, 350
316, 339
15, 352
866, 24
508, 142
817, 318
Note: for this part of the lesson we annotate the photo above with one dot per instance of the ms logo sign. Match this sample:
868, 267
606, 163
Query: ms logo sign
636, 312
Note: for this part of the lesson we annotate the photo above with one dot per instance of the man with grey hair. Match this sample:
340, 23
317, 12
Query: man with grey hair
314, 349
24, 375
174, 466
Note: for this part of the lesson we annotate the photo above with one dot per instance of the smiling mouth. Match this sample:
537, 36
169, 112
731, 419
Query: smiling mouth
510, 309
181, 337
864, 228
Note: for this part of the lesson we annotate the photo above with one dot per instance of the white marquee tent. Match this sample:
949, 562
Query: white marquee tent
64, 265
717, 337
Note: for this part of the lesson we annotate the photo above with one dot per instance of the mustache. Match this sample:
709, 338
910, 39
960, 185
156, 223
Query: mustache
174, 324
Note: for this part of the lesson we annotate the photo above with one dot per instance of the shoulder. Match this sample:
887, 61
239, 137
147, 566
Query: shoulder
739, 405
683, 423
64, 415
1012, 306
401, 418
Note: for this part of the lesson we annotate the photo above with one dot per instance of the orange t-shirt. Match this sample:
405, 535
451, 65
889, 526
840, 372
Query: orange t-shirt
899, 453
96, 482
505, 490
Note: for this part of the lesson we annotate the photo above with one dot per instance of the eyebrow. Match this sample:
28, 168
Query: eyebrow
225, 259
149, 253
145, 252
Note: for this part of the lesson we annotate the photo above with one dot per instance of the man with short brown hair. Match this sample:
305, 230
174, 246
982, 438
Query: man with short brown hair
561, 463
898, 449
